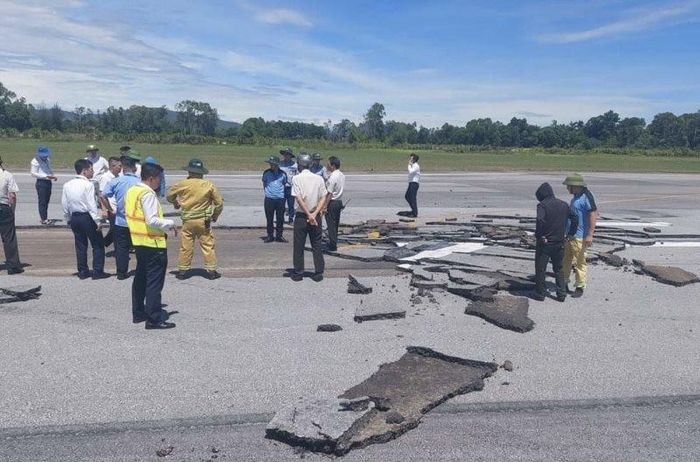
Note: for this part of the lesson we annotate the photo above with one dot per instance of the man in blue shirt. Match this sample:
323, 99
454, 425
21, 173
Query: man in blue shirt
289, 167
117, 188
584, 207
316, 166
274, 181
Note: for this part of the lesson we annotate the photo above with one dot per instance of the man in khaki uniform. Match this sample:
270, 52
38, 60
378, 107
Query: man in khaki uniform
201, 205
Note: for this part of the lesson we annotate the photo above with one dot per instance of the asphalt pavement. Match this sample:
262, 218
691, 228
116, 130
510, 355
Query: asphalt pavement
72, 362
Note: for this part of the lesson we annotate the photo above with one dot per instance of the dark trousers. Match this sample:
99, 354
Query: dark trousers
9, 236
122, 244
333, 221
274, 208
290, 200
412, 197
543, 254
43, 190
301, 230
85, 229
146, 302
109, 237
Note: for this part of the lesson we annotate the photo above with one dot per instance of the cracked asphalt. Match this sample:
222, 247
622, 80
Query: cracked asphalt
72, 362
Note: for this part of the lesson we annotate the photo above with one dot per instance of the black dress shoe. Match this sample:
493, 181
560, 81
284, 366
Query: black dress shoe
538, 296
15, 270
84, 275
317, 277
122, 276
213, 275
281, 239
269, 239
181, 275
100, 275
159, 325
561, 297
296, 277
137, 320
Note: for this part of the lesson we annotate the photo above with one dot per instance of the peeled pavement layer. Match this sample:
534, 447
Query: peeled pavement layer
389, 403
19, 293
671, 275
504, 311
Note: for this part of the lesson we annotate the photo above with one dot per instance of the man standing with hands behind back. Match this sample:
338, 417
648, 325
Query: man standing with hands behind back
310, 193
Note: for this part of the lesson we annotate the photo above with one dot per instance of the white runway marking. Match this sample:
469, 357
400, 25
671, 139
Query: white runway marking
463, 247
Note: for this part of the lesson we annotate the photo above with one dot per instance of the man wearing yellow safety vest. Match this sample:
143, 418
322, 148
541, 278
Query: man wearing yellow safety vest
147, 227
201, 205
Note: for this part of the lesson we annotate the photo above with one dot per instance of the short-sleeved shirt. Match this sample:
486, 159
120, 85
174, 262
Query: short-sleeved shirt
274, 183
7, 185
582, 205
117, 189
335, 184
290, 168
310, 187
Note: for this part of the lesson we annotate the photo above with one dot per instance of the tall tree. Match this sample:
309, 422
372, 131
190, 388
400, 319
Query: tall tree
374, 121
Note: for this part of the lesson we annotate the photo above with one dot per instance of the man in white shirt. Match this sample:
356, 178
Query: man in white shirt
413, 182
147, 227
115, 169
99, 164
335, 185
82, 215
40, 168
8, 201
310, 193
290, 168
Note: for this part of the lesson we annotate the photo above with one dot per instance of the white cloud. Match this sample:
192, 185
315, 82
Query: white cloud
282, 16
635, 22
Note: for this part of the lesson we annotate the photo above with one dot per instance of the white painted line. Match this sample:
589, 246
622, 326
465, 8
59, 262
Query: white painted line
633, 224
676, 244
463, 247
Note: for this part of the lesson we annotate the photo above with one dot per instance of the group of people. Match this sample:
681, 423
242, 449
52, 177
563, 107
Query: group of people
308, 190
125, 193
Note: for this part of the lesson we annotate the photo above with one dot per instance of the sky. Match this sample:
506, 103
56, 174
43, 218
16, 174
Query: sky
428, 62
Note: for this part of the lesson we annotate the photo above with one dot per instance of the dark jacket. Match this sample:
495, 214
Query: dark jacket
552, 217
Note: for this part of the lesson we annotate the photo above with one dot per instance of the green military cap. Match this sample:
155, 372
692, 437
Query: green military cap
287, 151
316, 156
133, 154
273, 160
125, 148
92, 148
575, 180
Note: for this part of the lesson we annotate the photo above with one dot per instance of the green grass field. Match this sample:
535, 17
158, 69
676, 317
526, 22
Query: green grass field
17, 153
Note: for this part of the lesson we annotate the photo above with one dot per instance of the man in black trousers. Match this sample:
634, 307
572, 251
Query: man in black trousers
310, 193
551, 231
335, 184
411, 195
8, 202
147, 227
83, 217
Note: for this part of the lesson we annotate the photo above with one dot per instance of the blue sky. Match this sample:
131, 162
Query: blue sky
426, 61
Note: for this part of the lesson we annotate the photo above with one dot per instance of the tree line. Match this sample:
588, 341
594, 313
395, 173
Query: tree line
195, 120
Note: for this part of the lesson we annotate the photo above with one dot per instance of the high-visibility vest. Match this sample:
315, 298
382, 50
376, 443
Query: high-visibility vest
141, 233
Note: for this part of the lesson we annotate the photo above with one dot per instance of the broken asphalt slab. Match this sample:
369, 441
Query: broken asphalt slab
373, 311
671, 275
504, 311
20, 292
320, 425
355, 287
389, 403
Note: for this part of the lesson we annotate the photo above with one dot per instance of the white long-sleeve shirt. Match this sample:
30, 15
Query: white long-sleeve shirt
106, 178
40, 169
79, 196
414, 173
149, 204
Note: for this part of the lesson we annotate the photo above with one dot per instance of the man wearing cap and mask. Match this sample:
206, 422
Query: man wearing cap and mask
40, 168
274, 181
310, 193
201, 204
290, 168
126, 151
584, 207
